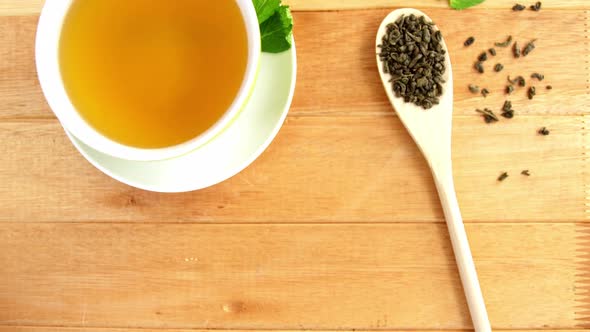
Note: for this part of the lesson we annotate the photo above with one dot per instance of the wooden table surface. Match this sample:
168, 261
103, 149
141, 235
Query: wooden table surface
337, 226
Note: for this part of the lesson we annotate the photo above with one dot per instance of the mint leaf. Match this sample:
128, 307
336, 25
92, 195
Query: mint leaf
462, 4
276, 25
265, 9
276, 32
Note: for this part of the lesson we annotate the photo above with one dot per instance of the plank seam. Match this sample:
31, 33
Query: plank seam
210, 223
34, 11
296, 115
164, 329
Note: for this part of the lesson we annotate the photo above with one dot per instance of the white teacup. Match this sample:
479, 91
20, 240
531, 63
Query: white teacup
46, 54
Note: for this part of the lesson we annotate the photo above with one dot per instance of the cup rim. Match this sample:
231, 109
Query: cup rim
48, 70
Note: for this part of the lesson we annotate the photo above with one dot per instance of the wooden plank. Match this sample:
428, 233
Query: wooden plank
328, 169
583, 276
28, 7
91, 329
363, 4
20, 7
19, 87
361, 276
337, 66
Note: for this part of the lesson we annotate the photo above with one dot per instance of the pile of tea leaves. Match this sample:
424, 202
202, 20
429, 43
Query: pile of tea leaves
412, 53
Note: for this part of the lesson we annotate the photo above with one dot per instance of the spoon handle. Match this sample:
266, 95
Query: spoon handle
477, 307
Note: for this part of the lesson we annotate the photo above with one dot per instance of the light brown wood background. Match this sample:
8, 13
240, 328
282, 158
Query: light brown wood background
337, 226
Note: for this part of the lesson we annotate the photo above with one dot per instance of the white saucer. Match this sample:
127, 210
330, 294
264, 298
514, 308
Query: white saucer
229, 153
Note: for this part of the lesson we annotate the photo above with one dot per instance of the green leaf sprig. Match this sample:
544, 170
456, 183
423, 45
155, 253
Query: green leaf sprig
276, 25
463, 4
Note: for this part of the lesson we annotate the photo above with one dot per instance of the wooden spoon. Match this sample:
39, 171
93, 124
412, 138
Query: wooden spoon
431, 130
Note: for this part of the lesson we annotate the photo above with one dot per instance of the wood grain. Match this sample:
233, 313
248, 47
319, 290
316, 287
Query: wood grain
337, 66
349, 82
324, 169
19, 88
337, 227
20, 7
93, 329
583, 276
24, 7
361, 276
505, 5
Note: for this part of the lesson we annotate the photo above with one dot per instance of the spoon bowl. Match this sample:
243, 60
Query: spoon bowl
427, 127
431, 130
